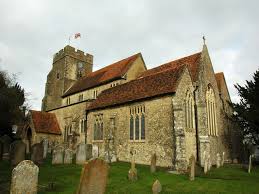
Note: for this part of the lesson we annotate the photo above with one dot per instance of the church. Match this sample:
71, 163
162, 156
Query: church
175, 110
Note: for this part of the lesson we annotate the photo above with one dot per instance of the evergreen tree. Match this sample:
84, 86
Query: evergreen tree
247, 110
11, 103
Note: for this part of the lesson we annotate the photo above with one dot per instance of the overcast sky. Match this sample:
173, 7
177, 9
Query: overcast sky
31, 31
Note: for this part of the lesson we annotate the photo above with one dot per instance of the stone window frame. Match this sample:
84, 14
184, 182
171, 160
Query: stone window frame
82, 125
58, 75
95, 94
68, 100
211, 112
98, 126
137, 112
189, 111
80, 97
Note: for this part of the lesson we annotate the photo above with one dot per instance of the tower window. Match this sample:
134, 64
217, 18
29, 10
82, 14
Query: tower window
58, 75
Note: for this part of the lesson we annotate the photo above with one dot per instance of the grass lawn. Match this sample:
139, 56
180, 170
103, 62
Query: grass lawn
225, 180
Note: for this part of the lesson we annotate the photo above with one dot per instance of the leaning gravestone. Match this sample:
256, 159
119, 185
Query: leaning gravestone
57, 155
89, 149
95, 151
81, 153
68, 156
37, 153
6, 141
218, 160
153, 163
250, 164
45, 147
25, 178
17, 152
94, 177
156, 188
192, 168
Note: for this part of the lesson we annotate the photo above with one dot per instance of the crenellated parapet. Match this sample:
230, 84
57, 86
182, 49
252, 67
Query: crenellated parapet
72, 52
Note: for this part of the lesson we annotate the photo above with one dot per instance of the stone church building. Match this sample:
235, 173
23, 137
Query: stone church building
177, 109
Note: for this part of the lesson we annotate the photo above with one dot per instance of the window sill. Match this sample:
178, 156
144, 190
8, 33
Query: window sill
137, 141
97, 141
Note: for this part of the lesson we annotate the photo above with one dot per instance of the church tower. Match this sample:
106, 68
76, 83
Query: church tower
68, 66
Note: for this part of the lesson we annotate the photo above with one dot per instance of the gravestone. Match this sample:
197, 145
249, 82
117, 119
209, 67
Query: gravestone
57, 155
153, 163
156, 188
45, 147
37, 153
223, 159
133, 173
89, 149
17, 152
24, 178
250, 164
235, 161
218, 160
95, 151
81, 153
68, 156
192, 168
6, 141
94, 177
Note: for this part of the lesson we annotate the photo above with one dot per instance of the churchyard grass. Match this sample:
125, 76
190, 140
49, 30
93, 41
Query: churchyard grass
224, 180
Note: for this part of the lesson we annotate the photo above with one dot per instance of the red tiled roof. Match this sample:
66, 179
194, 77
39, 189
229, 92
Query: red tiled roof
45, 122
163, 82
191, 61
108, 73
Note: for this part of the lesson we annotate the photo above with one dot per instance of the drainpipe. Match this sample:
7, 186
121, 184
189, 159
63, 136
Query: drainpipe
196, 123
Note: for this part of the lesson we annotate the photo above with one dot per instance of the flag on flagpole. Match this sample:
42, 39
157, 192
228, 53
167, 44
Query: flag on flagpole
77, 35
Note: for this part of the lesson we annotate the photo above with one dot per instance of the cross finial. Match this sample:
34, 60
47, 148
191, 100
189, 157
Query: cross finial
204, 40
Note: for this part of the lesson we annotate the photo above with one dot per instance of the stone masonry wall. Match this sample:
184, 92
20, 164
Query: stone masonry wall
159, 134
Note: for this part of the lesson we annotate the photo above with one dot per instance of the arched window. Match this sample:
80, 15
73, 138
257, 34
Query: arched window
142, 126
211, 112
189, 111
137, 127
131, 127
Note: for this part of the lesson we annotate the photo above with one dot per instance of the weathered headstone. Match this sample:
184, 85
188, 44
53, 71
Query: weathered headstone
17, 152
45, 147
24, 178
133, 173
235, 161
218, 160
6, 141
153, 163
156, 188
192, 168
81, 153
37, 153
57, 155
250, 164
68, 156
223, 159
94, 177
95, 151
89, 149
